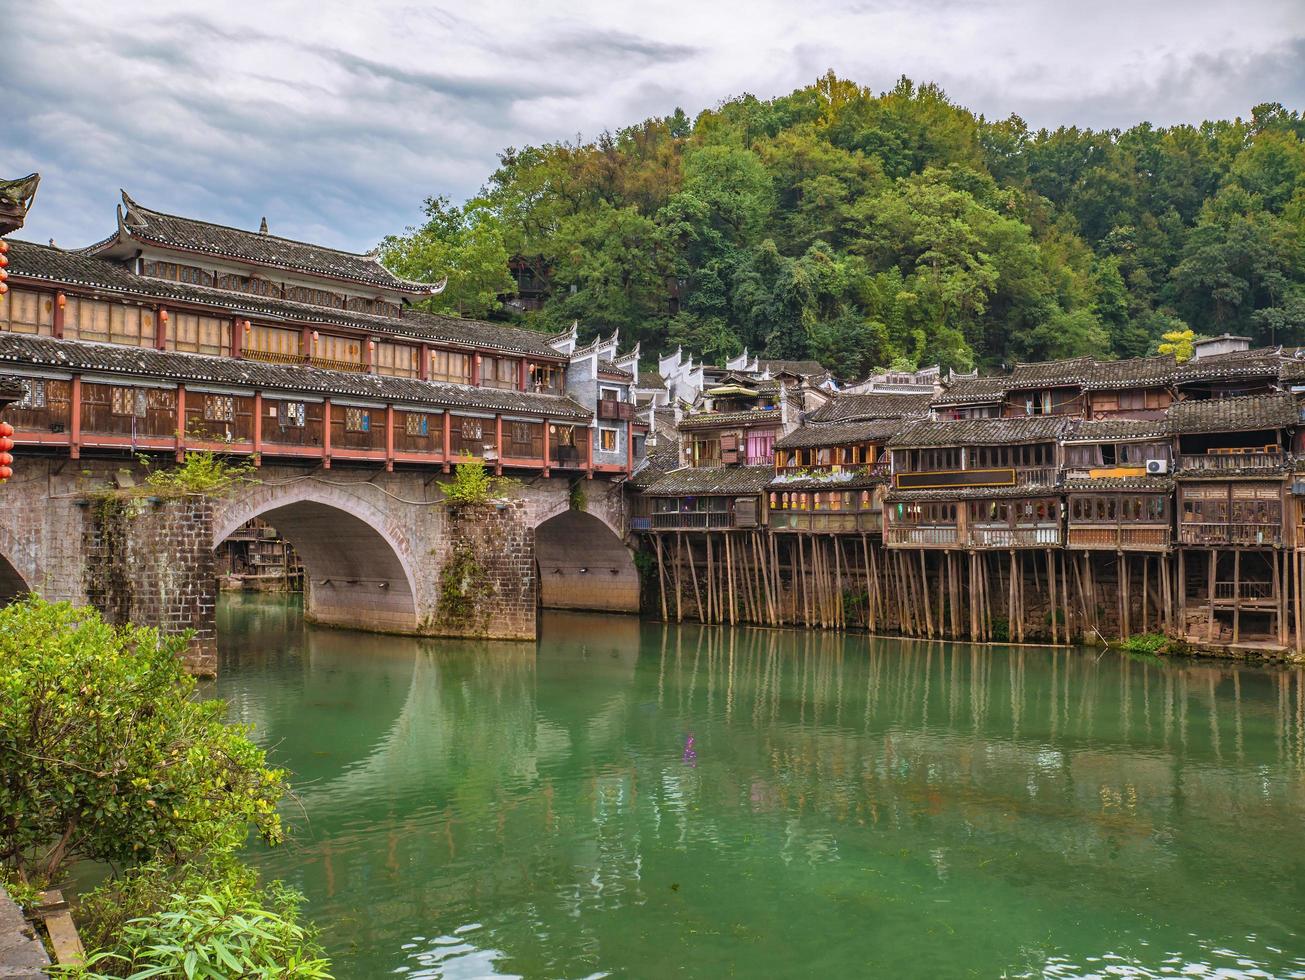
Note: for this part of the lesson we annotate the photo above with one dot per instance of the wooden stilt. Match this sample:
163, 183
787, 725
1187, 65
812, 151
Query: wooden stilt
661, 575
1210, 628
1237, 595
679, 560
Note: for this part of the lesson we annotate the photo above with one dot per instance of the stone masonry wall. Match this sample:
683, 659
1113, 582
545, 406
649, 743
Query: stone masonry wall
151, 562
487, 574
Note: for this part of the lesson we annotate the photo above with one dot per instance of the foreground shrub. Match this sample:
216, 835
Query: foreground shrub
106, 755
215, 921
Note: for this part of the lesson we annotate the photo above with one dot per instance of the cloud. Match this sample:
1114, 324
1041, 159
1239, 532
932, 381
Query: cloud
336, 121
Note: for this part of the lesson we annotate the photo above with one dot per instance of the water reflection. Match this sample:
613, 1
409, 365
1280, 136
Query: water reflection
639, 799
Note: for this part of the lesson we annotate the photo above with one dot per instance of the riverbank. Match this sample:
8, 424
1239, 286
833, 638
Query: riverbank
22, 955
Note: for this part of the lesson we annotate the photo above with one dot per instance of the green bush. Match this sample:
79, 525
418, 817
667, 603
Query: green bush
472, 485
201, 471
212, 922
106, 755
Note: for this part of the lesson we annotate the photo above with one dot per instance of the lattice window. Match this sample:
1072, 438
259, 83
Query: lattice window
416, 424
128, 401
472, 430
33, 394
290, 414
607, 440
357, 420
219, 408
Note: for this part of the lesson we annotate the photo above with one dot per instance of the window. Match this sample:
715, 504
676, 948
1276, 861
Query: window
521, 437
448, 366
472, 430
219, 408
357, 420
128, 401
498, 372
290, 414
610, 394
607, 440
416, 424
545, 377
33, 394
202, 334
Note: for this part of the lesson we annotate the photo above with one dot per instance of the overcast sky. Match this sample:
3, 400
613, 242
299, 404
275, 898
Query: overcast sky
335, 120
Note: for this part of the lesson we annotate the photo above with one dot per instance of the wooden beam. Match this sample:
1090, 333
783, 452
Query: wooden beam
75, 418
326, 434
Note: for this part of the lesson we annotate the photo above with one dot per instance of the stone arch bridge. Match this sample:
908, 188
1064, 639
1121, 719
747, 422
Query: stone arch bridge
381, 550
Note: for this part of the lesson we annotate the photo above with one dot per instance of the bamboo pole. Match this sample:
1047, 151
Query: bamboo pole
1237, 595
1051, 583
697, 593
679, 591
661, 576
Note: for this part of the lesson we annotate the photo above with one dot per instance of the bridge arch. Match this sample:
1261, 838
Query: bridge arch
12, 583
357, 572
583, 564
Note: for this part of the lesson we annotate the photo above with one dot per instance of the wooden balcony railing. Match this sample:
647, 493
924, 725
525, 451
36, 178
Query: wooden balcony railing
1229, 591
1118, 537
614, 410
1266, 535
826, 521
1031, 536
272, 356
1224, 462
692, 520
920, 535
331, 364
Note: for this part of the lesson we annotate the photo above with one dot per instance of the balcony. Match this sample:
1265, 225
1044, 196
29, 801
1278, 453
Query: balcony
699, 520
1118, 537
826, 521
1214, 534
1026, 536
1005, 476
614, 411
271, 356
1230, 462
331, 364
921, 535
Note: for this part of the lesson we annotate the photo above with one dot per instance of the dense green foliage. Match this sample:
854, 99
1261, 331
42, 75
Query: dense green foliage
105, 754
866, 230
200, 471
209, 922
472, 485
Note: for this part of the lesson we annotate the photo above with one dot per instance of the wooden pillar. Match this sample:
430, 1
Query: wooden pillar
326, 434
475, 370
181, 423
60, 301
523, 374
389, 437
498, 445
161, 328
448, 440
258, 428
237, 337
589, 453
1237, 595
1210, 629
423, 369
1182, 592
547, 428
75, 418
629, 451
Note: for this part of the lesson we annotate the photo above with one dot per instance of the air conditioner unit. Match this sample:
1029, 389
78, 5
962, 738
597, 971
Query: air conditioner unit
1157, 467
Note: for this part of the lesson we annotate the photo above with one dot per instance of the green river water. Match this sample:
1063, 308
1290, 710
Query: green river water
629, 799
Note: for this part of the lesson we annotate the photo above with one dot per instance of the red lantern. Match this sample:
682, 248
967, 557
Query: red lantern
4, 261
163, 316
6, 459
3, 289
248, 326
6, 430
4, 246
61, 300
5, 473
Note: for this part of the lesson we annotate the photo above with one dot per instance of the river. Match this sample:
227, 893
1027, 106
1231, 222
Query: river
629, 799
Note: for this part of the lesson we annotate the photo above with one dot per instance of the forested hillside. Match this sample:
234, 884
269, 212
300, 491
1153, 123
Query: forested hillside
867, 229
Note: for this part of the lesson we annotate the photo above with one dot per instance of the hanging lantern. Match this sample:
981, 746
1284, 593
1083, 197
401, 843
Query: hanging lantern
248, 326
4, 261
371, 346
61, 300
163, 316
314, 336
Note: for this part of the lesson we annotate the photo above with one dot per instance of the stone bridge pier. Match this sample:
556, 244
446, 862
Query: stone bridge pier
381, 550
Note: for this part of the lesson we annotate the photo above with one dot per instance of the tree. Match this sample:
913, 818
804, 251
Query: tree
1180, 343
106, 755
466, 245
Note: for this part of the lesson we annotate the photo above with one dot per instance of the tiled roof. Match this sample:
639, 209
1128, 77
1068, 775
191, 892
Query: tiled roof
1293, 368
191, 234
711, 420
1132, 372
146, 362
652, 380
804, 368
872, 405
1141, 484
981, 432
703, 481
1116, 429
66, 268
1042, 374
1245, 414
838, 433
973, 391
1263, 362
610, 369
973, 493
829, 481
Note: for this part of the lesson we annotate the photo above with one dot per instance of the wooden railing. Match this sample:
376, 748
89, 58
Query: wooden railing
692, 520
614, 410
1031, 536
1223, 462
332, 364
826, 521
920, 535
1266, 535
1243, 590
271, 356
1118, 537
